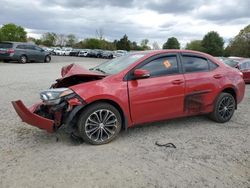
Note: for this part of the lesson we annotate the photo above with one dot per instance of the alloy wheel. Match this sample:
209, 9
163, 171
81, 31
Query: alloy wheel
23, 59
101, 125
226, 107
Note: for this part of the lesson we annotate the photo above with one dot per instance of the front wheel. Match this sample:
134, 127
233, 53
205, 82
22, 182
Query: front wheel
47, 59
99, 123
224, 108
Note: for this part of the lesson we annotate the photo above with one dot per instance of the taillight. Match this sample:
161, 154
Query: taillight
10, 51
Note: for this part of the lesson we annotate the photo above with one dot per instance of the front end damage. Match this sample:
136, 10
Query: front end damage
50, 117
59, 104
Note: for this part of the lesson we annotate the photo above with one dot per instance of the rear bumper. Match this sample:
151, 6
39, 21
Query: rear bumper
28, 116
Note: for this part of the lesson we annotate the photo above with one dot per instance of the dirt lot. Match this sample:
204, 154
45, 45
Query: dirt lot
207, 155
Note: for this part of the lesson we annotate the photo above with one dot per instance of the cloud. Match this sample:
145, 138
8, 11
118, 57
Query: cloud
224, 11
172, 6
153, 19
88, 3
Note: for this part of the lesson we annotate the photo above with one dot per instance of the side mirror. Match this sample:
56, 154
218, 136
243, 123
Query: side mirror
140, 73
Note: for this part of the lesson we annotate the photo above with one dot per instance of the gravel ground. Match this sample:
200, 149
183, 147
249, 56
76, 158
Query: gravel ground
208, 154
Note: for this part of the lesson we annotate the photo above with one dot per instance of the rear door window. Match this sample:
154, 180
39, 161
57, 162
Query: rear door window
6, 45
30, 47
21, 47
194, 64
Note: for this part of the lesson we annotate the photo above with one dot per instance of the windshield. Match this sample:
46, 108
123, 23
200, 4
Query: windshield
118, 64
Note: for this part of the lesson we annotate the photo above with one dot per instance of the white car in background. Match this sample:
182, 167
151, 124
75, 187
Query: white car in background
84, 53
58, 51
66, 51
119, 53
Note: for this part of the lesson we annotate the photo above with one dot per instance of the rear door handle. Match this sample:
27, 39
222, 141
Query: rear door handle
217, 76
177, 82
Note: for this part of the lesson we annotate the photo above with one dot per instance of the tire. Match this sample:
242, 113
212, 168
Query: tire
47, 59
99, 123
23, 59
224, 108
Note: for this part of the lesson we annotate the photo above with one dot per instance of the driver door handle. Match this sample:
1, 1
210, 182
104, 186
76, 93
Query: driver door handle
177, 82
217, 76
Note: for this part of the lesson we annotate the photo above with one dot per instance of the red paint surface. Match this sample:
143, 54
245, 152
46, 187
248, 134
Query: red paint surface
29, 117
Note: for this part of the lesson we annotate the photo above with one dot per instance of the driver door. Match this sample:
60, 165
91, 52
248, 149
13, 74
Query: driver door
160, 96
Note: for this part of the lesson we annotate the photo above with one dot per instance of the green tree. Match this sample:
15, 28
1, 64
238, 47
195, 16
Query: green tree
172, 43
49, 39
195, 45
94, 43
12, 32
71, 40
36, 41
144, 44
213, 44
123, 43
135, 46
240, 45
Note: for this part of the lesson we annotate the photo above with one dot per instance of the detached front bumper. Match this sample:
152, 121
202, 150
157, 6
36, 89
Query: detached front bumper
28, 116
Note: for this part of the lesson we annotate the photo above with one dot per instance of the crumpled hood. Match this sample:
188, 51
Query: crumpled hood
75, 74
74, 69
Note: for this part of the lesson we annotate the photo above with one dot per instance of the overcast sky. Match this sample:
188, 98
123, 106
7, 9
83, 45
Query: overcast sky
156, 20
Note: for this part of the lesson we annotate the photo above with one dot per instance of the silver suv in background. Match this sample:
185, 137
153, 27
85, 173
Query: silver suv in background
23, 52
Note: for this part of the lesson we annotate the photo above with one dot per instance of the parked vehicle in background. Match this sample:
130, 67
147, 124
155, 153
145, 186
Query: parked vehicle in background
133, 89
74, 52
244, 67
66, 51
84, 53
58, 51
236, 58
228, 61
107, 54
23, 52
119, 53
95, 53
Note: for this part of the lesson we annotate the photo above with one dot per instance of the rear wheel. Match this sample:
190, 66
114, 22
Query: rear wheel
23, 59
224, 108
99, 123
47, 59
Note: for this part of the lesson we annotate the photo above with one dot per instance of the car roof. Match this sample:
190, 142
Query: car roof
155, 52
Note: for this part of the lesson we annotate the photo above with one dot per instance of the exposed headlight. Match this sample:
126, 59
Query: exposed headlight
53, 96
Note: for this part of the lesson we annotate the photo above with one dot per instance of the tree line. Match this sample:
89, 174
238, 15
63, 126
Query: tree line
212, 43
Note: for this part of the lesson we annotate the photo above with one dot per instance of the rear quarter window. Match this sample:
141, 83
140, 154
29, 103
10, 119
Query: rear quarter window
212, 65
6, 45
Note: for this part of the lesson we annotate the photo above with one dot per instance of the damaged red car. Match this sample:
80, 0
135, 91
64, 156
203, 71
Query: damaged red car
136, 88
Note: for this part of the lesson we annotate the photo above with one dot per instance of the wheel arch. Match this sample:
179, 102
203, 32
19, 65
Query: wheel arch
232, 91
111, 102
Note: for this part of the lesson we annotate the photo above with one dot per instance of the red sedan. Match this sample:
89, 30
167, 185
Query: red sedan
134, 89
244, 67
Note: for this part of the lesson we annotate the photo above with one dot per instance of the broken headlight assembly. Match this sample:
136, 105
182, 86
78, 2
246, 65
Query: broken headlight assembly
54, 96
